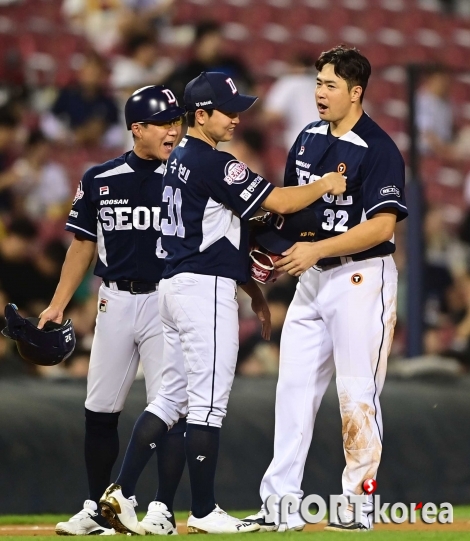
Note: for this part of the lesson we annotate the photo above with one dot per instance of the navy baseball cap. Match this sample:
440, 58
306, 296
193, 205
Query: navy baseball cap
281, 232
215, 90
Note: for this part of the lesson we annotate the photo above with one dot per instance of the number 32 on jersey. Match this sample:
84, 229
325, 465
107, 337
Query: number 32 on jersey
336, 221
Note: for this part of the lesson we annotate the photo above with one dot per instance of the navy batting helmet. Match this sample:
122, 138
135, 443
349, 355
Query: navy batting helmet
48, 346
152, 104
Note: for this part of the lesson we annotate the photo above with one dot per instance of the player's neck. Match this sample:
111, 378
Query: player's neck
341, 127
198, 134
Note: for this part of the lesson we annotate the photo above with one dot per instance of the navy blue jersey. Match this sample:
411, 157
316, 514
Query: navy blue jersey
208, 197
117, 205
374, 171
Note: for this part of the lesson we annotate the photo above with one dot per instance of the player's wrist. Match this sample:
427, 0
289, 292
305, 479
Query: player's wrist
326, 185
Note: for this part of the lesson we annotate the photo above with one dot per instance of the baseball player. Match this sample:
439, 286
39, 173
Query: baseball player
117, 209
342, 316
208, 197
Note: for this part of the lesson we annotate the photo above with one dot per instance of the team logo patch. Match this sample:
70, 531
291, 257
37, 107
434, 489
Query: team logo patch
390, 190
104, 190
103, 305
302, 150
342, 168
357, 279
73, 214
236, 172
78, 194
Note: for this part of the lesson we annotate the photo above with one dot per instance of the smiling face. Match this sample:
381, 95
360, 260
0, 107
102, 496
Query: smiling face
154, 142
219, 127
335, 101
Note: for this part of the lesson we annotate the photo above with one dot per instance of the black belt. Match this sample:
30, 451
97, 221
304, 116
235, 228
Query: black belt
135, 287
334, 262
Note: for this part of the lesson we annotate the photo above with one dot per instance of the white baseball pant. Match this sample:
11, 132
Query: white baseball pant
128, 330
200, 328
342, 318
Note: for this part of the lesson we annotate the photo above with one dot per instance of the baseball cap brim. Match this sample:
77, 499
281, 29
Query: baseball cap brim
271, 240
237, 104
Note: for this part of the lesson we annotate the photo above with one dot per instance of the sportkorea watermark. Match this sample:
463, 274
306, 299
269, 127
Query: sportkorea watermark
339, 509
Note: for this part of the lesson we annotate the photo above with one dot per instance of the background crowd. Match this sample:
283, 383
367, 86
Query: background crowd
68, 66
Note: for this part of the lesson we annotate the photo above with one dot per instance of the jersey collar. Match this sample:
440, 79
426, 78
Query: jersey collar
138, 164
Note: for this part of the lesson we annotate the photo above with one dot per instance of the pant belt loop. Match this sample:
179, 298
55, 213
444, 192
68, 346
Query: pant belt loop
113, 286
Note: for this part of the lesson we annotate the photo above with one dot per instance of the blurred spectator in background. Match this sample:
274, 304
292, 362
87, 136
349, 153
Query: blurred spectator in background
106, 22
141, 66
84, 113
17, 273
8, 126
434, 114
257, 357
291, 99
42, 189
48, 264
248, 146
208, 55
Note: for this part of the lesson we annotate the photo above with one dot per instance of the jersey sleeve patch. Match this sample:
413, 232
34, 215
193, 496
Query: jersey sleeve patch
236, 172
82, 218
234, 184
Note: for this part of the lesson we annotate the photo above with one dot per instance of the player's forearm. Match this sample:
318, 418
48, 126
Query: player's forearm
252, 289
77, 261
359, 238
295, 198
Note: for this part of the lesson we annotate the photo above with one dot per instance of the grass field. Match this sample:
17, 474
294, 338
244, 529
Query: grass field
41, 528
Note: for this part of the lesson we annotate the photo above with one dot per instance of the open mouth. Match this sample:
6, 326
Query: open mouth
168, 145
322, 108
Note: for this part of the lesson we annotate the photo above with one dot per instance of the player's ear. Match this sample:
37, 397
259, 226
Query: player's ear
200, 116
356, 93
136, 130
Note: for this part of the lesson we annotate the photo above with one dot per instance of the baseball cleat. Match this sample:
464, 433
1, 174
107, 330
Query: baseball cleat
83, 524
348, 527
158, 520
219, 522
284, 528
260, 519
119, 511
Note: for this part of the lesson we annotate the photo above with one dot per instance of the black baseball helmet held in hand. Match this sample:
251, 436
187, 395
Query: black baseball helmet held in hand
152, 104
47, 346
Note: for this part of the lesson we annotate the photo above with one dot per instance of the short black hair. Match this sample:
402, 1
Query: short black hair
7, 118
191, 117
135, 41
36, 137
24, 228
349, 64
205, 27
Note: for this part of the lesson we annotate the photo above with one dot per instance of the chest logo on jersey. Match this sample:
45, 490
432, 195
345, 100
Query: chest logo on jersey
79, 193
357, 279
104, 190
342, 168
103, 305
302, 150
236, 172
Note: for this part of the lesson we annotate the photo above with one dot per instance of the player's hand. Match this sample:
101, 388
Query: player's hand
299, 258
261, 309
336, 183
50, 314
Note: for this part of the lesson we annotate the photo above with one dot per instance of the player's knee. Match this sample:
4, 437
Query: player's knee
179, 427
99, 422
207, 415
